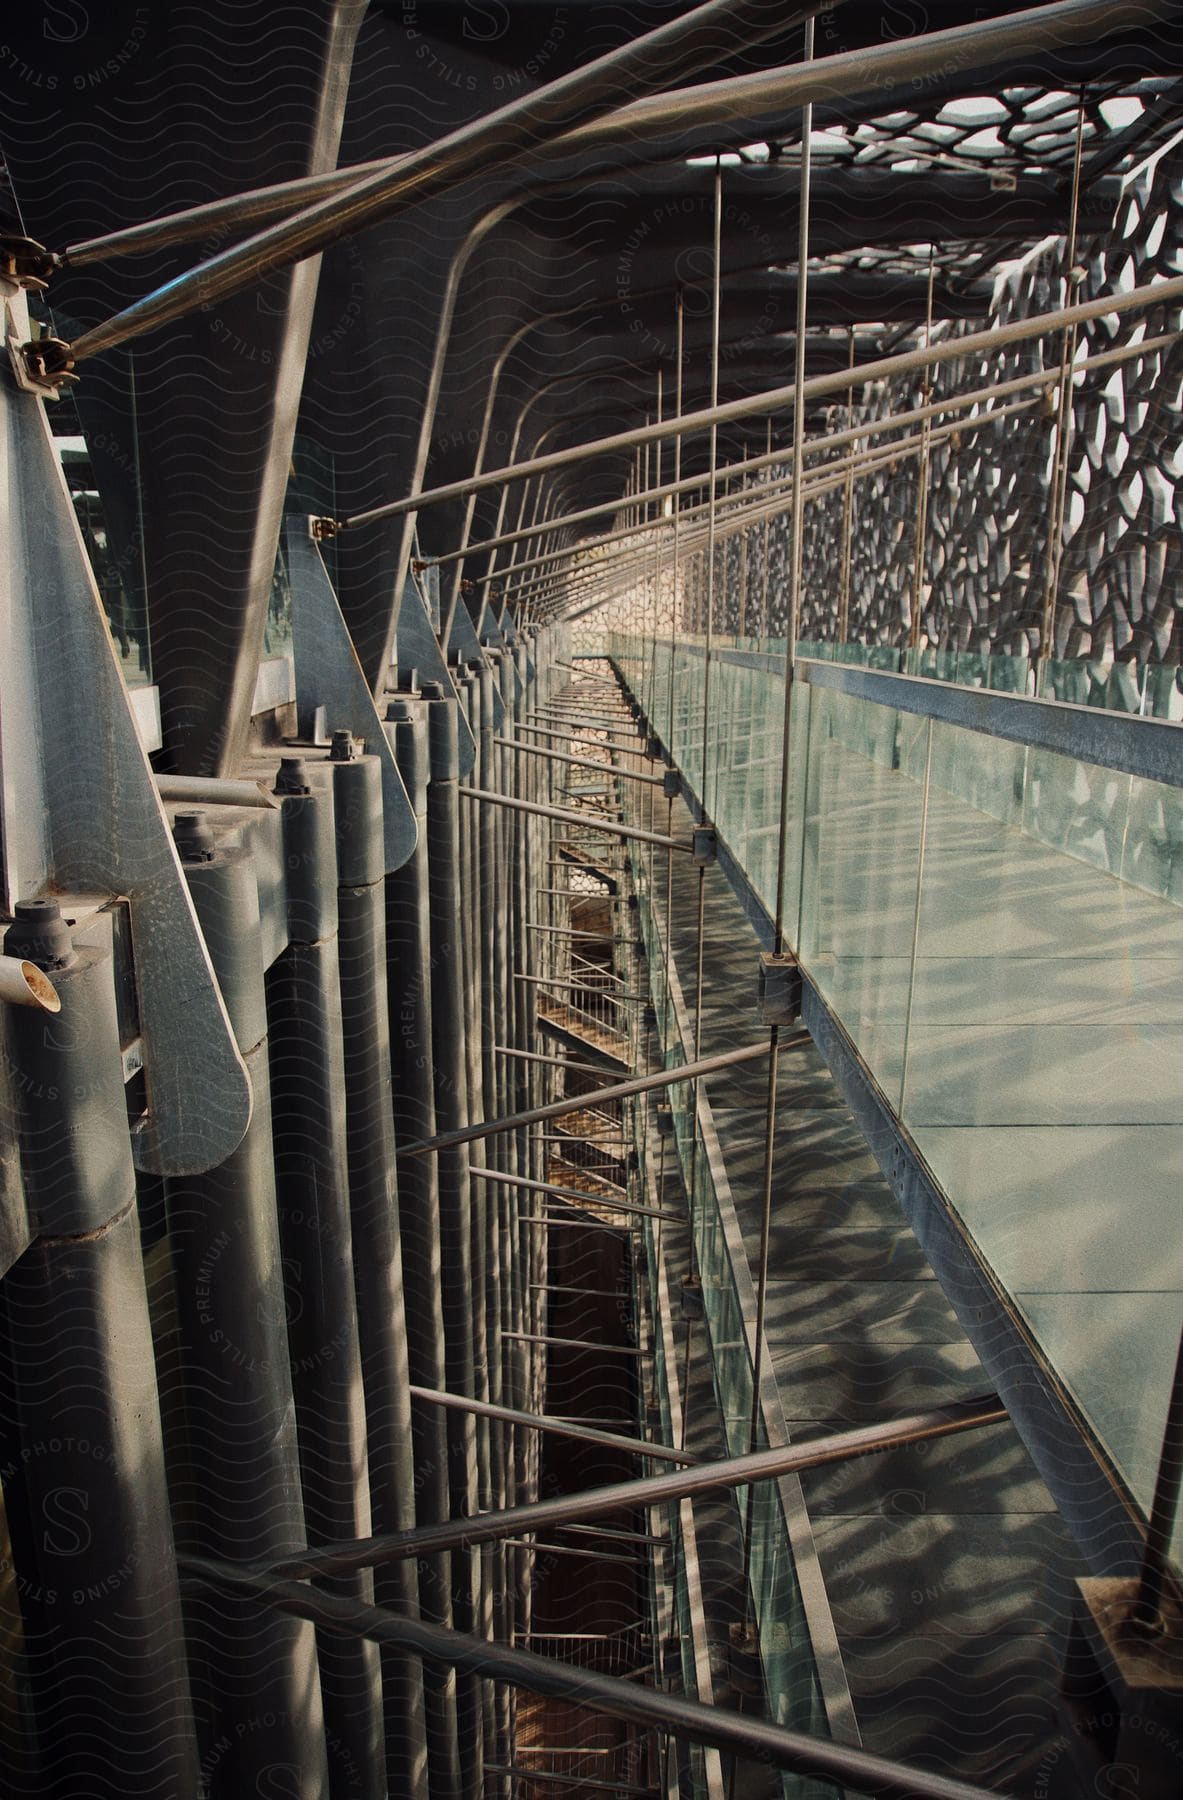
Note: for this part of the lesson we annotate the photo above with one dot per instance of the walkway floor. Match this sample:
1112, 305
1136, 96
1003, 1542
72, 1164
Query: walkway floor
948, 1569
1041, 1063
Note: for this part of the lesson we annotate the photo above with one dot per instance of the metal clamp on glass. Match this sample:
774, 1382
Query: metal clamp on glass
778, 988
705, 845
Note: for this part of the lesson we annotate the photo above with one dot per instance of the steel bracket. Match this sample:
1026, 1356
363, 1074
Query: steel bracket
488, 631
39, 365
1125, 1688
329, 676
464, 643
417, 647
705, 846
81, 810
778, 989
25, 262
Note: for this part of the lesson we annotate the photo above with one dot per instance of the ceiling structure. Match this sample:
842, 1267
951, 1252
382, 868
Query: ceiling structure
580, 275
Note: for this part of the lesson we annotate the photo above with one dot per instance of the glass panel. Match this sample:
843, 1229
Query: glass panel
103, 483
866, 791
792, 1686
1045, 1061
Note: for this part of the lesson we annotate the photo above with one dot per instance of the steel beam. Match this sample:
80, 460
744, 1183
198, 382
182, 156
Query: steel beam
546, 118
576, 1194
627, 1496
584, 762
546, 1423
614, 1695
563, 817
621, 1090
778, 399
643, 65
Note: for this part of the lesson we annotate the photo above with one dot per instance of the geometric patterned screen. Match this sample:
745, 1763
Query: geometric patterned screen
985, 568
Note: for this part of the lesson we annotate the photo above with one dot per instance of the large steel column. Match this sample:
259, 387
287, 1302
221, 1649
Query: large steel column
81, 1456
374, 1215
450, 1071
257, 1684
312, 1183
487, 1565
409, 992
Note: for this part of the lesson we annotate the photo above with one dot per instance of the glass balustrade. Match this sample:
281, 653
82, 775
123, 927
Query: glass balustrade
997, 926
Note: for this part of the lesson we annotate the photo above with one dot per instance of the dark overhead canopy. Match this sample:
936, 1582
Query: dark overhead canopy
973, 163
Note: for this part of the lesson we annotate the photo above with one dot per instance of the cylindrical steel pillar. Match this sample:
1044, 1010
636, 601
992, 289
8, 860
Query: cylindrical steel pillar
81, 1452
312, 1184
409, 994
375, 1224
450, 1071
257, 1685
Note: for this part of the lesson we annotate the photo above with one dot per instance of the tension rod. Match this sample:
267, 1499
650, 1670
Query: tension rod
544, 1422
576, 818
533, 1337
628, 1496
523, 1772
621, 1090
581, 762
558, 1062
571, 1195
564, 737
612, 1694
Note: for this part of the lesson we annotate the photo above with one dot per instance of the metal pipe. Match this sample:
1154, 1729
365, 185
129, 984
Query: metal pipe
614, 1695
651, 1490
564, 737
978, 343
574, 818
307, 1070
621, 1090
574, 728
99, 1606
450, 1073
408, 901
558, 1062
614, 1534
571, 1195
1064, 424
576, 987
1155, 1575
712, 506
376, 1229
533, 1337
582, 762
22, 983
643, 65
751, 508
519, 1772
543, 1422
1041, 379
587, 937
602, 718
609, 1200
206, 790
922, 475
